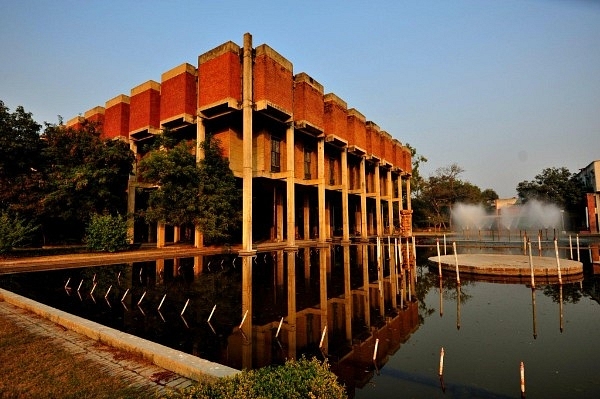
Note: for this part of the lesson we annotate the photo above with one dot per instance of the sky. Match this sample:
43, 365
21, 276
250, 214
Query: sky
502, 88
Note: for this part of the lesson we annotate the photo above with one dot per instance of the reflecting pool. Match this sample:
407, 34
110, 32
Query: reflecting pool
381, 324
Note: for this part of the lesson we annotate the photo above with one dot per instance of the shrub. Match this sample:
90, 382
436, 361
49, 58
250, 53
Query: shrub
107, 233
295, 380
14, 231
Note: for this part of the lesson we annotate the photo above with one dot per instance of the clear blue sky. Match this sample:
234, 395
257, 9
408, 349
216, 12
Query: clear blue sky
503, 88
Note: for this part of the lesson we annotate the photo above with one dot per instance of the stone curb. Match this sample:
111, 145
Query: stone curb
181, 363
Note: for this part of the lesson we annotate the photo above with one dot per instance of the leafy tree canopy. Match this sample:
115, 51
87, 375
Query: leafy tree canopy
188, 192
555, 186
85, 174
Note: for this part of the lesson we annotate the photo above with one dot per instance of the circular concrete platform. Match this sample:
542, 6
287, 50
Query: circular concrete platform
511, 266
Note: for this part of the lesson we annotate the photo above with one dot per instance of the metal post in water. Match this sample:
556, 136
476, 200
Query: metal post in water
557, 262
571, 246
185, 307
125, 294
439, 259
67, 284
80, 283
531, 267
142, 298
441, 369
279, 328
444, 243
540, 243
243, 319
93, 288
414, 247
375, 350
577, 238
107, 291
323, 337
522, 371
456, 262
211, 313
161, 302
525, 244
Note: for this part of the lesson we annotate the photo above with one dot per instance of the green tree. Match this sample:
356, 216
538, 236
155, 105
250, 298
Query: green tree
14, 231
177, 179
188, 192
85, 175
107, 233
555, 186
416, 180
220, 207
21, 163
441, 191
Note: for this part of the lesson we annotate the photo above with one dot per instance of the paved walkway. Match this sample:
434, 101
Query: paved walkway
135, 370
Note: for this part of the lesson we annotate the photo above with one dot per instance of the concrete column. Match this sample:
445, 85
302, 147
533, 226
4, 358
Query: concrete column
291, 302
347, 294
160, 235
306, 210
393, 275
378, 219
176, 234
290, 187
364, 260
200, 137
363, 199
400, 203
278, 215
390, 196
321, 189
408, 205
323, 294
246, 251
345, 210
247, 145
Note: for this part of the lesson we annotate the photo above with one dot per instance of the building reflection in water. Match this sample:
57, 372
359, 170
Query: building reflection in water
336, 302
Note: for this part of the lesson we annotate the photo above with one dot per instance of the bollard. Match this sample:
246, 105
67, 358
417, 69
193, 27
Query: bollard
540, 243
577, 240
441, 370
456, 262
211, 313
161, 302
185, 306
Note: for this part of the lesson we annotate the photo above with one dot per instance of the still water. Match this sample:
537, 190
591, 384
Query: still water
335, 302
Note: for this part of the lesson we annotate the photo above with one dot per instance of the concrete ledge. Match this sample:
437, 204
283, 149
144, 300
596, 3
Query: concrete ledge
176, 361
510, 266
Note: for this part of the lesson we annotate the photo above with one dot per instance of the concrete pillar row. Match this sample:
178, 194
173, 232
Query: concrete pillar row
345, 209
378, 220
363, 199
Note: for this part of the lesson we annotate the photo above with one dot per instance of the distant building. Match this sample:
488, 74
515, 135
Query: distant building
590, 177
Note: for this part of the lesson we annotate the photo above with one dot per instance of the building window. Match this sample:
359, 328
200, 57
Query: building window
306, 163
275, 154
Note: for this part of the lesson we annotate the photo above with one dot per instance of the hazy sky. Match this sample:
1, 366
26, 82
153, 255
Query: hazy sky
502, 88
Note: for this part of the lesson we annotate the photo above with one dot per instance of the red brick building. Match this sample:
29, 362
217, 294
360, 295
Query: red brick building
310, 167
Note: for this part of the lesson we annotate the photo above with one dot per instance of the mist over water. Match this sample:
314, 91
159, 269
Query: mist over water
533, 215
